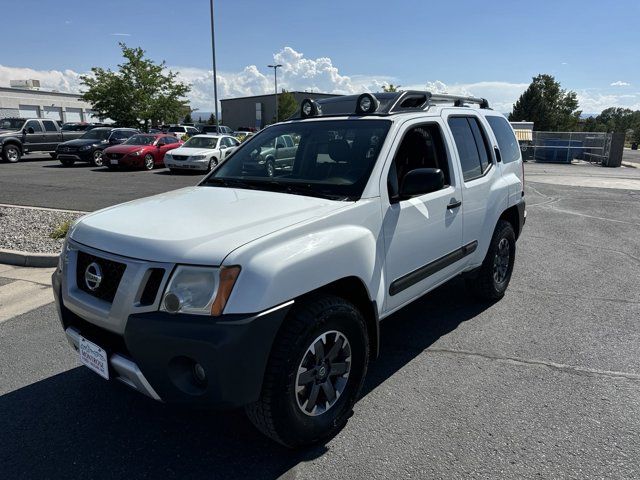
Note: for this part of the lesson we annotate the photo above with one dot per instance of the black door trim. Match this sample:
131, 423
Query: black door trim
429, 269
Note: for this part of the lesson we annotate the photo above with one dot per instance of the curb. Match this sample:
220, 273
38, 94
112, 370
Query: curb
27, 259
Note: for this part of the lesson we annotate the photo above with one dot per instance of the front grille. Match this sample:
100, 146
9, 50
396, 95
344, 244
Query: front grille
111, 275
116, 156
150, 291
180, 157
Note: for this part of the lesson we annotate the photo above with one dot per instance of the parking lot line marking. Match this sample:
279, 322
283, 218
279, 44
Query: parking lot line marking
30, 207
21, 297
572, 369
34, 275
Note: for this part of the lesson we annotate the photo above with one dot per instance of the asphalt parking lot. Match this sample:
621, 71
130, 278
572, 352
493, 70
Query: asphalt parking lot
543, 384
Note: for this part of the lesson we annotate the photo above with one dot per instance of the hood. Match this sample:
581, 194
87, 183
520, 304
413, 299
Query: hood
78, 142
126, 148
196, 225
188, 151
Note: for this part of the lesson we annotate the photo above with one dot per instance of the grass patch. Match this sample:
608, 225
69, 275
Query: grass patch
60, 232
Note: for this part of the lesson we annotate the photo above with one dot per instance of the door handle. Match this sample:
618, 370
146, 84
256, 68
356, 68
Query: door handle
454, 204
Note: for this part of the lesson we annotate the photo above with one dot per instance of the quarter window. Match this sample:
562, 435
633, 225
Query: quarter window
509, 148
472, 145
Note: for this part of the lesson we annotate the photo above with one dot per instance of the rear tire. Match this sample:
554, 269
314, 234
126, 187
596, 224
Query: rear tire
491, 280
305, 396
11, 153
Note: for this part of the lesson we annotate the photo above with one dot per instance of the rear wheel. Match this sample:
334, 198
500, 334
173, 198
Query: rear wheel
96, 158
491, 280
67, 162
315, 373
11, 153
149, 162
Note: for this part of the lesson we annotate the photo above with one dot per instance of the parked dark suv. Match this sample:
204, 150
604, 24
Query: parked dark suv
89, 147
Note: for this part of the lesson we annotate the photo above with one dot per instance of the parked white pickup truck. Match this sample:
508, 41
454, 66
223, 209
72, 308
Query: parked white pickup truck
265, 289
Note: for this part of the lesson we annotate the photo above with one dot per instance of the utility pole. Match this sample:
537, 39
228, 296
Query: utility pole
275, 79
215, 79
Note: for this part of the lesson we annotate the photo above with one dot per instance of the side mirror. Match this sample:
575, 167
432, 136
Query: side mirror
421, 181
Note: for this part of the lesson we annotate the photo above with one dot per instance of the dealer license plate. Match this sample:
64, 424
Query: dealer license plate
114, 162
94, 357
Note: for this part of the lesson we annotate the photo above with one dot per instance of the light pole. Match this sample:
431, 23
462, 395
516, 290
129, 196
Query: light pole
275, 79
215, 80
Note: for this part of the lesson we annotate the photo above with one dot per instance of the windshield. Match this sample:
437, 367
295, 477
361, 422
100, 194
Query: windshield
176, 129
11, 123
327, 158
201, 142
96, 134
141, 140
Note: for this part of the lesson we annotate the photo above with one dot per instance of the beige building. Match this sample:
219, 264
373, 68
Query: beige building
26, 100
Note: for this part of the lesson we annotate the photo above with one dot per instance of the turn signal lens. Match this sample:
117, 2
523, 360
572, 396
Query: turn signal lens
228, 277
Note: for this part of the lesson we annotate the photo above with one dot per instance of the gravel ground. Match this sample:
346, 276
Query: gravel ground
29, 229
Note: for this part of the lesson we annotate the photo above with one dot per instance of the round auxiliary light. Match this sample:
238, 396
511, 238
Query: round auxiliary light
309, 108
172, 302
366, 103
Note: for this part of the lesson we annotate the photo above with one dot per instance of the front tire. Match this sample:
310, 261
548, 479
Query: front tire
96, 159
492, 278
149, 162
213, 163
314, 374
271, 167
11, 153
67, 162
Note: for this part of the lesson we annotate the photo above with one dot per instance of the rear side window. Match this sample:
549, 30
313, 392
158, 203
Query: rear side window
472, 146
49, 126
509, 148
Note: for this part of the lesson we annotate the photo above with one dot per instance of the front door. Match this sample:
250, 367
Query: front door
33, 137
423, 234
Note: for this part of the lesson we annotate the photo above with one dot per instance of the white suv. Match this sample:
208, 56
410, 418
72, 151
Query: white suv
265, 289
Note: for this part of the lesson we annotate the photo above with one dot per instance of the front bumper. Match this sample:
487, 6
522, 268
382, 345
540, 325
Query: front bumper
78, 156
158, 351
186, 164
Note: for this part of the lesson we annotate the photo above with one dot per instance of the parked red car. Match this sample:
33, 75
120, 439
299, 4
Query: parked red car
145, 150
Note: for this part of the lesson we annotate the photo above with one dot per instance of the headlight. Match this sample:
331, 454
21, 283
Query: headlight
199, 290
84, 148
136, 153
198, 157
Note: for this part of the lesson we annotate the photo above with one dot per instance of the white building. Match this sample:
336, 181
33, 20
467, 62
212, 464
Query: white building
24, 100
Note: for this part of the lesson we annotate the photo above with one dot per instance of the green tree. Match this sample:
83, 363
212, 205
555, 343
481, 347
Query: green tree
212, 120
390, 88
139, 91
546, 104
287, 105
187, 118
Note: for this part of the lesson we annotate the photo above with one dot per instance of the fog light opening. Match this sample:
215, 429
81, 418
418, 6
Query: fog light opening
199, 373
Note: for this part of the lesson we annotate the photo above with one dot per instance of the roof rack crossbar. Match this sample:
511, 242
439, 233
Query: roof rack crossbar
458, 100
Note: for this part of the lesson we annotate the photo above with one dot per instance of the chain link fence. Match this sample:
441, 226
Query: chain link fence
565, 147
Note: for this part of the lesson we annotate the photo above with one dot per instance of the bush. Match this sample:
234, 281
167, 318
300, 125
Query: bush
60, 232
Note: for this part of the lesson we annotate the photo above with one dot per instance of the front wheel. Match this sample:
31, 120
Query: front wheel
96, 158
271, 168
149, 162
213, 163
314, 374
11, 153
67, 162
491, 280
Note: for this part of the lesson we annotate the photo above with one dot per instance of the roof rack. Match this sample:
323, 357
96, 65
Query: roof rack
381, 104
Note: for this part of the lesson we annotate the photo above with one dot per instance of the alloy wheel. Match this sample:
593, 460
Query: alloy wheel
97, 158
12, 154
323, 373
148, 161
501, 261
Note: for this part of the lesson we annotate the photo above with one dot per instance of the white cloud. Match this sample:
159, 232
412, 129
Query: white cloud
620, 83
319, 75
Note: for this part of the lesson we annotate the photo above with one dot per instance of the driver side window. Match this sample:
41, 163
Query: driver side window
421, 147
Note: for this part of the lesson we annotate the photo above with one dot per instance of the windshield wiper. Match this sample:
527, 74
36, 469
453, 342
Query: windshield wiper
305, 189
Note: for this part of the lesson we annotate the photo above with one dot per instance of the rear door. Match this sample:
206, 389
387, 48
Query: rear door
52, 137
33, 137
483, 190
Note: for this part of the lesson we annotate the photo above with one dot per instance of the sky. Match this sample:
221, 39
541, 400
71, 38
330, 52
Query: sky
488, 48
